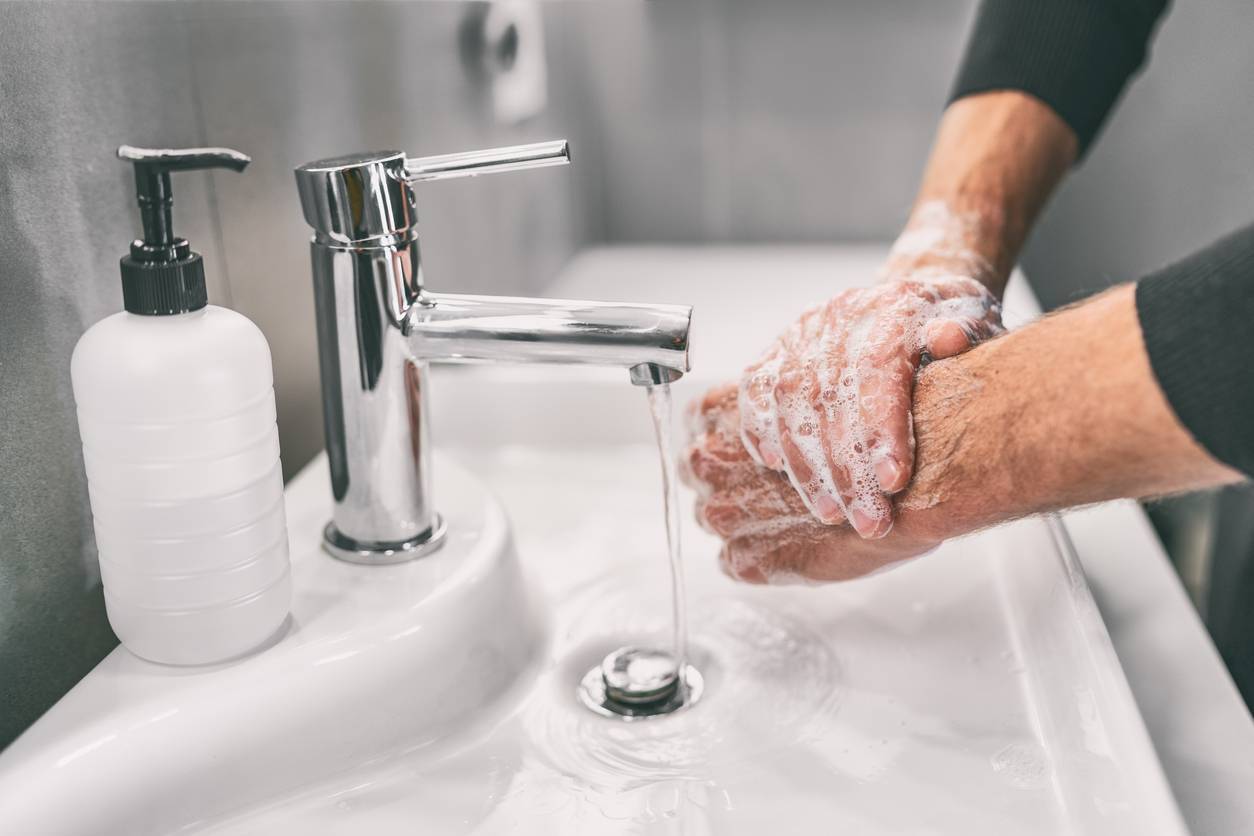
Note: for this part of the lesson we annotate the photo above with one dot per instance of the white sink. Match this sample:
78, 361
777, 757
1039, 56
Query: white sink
374, 661
973, 691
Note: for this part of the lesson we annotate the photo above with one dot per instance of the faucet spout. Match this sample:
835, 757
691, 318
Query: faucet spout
650, 374
443, 326
379, 329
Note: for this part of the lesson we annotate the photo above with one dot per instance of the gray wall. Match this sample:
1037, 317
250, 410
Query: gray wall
1175, 167
790, 120
809, 120
75, 83
285, 82
292, 82
692, 120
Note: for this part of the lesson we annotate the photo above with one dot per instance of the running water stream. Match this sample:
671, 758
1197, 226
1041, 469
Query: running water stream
636, 682
660, 408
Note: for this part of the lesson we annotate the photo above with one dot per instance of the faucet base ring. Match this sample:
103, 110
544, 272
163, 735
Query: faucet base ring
342, 547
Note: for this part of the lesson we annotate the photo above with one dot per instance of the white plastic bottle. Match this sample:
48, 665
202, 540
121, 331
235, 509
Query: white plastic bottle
176, 413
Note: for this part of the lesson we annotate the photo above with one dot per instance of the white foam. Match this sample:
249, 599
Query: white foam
835, 378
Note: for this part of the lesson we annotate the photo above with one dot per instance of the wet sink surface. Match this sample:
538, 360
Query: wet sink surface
972, 691
925, 700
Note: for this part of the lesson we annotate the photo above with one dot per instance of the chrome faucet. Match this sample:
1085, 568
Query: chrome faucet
378, 328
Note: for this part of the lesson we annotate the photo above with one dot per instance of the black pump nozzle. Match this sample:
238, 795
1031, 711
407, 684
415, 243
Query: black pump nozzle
162, 275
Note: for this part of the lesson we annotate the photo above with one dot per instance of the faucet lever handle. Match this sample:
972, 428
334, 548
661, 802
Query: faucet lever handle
489, 161
369, 195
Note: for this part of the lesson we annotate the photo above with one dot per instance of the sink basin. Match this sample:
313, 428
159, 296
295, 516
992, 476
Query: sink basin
974, 690
971, 691
373, 661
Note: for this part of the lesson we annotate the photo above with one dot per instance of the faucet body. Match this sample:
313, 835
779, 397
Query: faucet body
378, 328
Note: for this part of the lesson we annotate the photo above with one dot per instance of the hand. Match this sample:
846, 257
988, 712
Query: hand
829, 403
770, 536
1000, 435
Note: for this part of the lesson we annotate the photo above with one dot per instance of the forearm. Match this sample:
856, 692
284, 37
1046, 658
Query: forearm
1034, 87
1063, 412
996, 159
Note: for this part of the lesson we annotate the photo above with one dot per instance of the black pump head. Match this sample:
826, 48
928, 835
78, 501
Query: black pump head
162, 275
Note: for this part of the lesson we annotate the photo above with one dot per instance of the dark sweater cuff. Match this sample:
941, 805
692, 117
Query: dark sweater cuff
1074, 55
1197, 318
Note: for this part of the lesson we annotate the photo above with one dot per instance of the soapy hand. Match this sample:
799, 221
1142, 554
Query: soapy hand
1075, 441
829, 403
769, 535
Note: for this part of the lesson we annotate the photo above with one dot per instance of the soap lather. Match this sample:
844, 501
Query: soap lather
176, 411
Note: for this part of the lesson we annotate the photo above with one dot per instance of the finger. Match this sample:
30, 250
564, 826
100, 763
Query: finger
704, 469
698, 511
684, 467
846, 452
944, 338
722, 519
718, 456
967, 315
870, 512
761, 509
839, 554
704, 413
890, 433
758, 421
774, 559
714, 439
885, 394
736, 564
804, 454
716, 401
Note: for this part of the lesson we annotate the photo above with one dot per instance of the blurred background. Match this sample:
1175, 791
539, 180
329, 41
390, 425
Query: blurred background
692, 121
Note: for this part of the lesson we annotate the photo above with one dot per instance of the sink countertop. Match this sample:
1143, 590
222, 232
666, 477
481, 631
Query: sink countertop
1200, 726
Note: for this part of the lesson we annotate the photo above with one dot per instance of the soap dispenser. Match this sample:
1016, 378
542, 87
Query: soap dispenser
175, 402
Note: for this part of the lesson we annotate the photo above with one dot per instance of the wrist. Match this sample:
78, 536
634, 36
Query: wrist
944, 240
996, 159
1000, 434
960, 483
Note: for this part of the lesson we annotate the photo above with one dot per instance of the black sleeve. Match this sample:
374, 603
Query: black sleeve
1197, 318
1074, 55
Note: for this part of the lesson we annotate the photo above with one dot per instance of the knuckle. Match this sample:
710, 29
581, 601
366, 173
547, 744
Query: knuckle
702, 521
703, 467
724, 520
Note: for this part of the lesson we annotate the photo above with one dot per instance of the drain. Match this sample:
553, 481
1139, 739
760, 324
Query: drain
634, 683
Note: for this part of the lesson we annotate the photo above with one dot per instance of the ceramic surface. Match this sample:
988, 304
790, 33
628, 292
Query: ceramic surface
974, 690
374, 661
